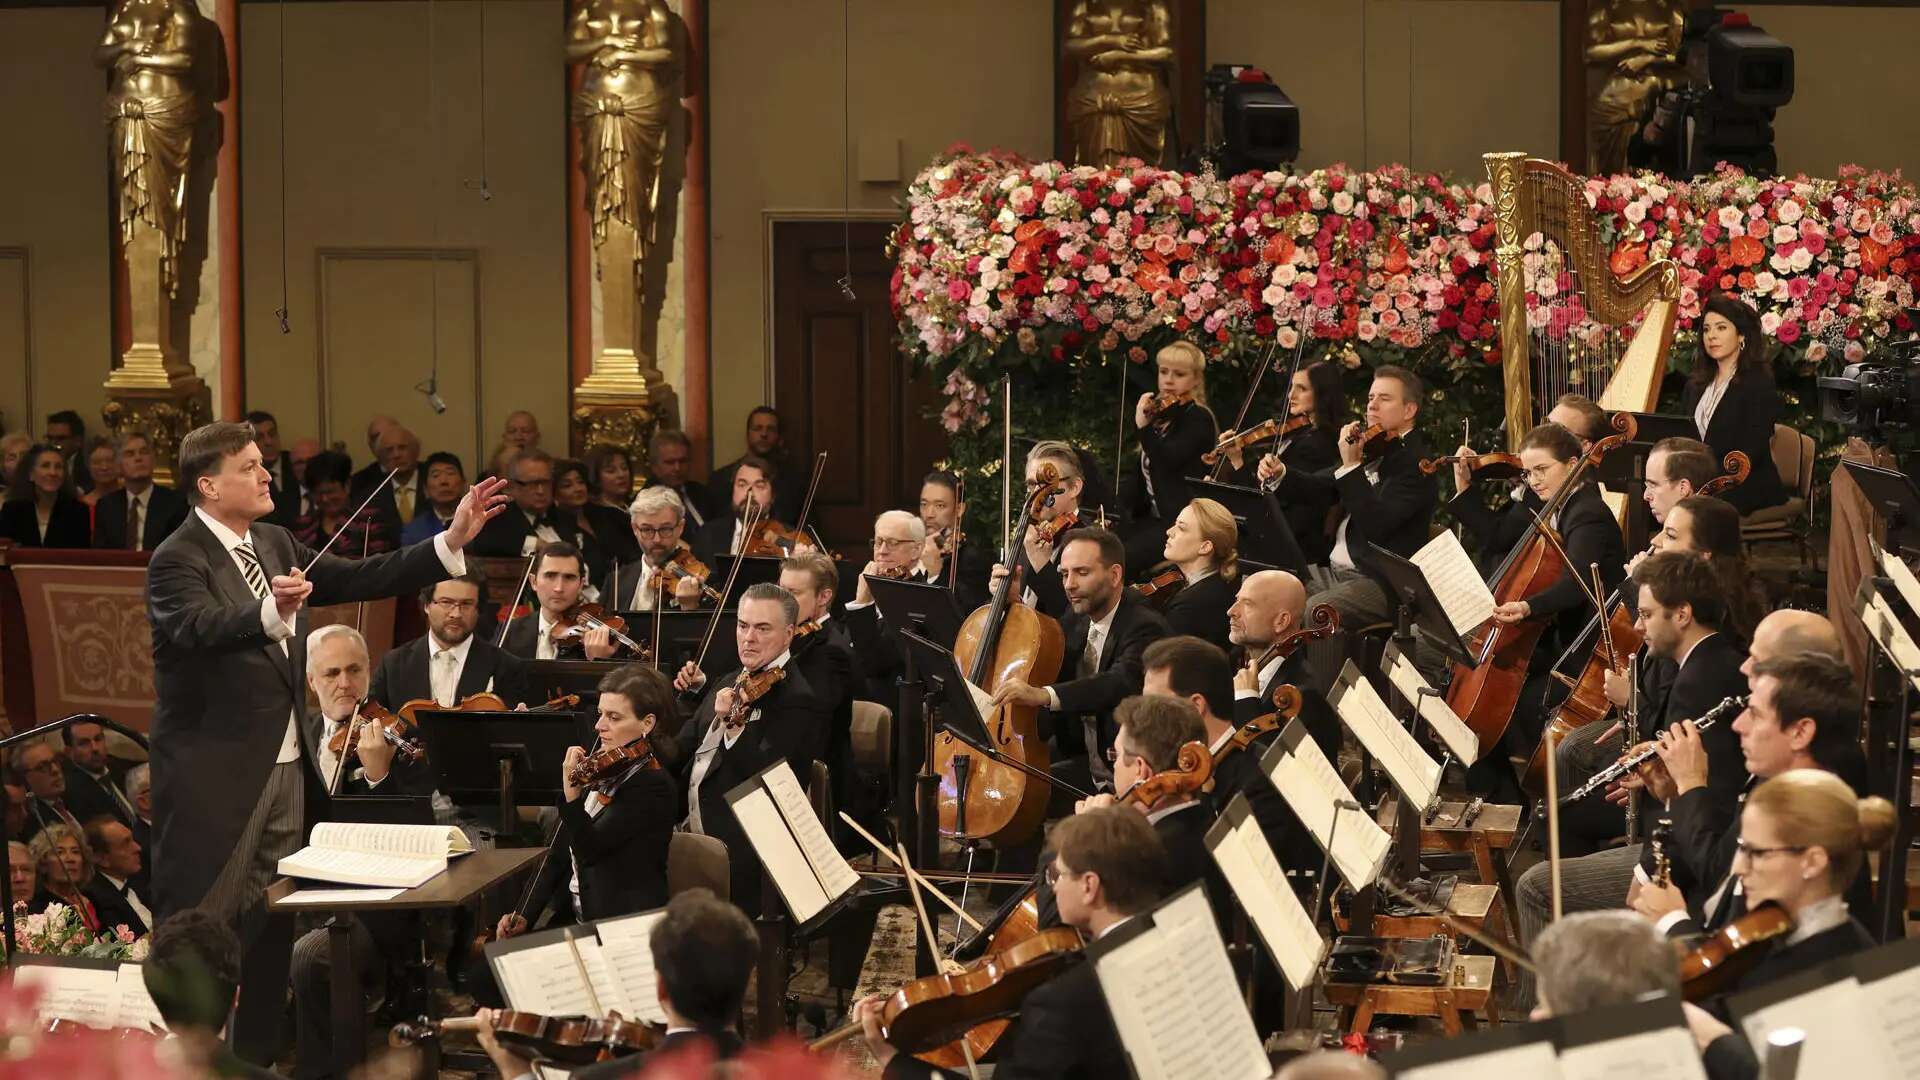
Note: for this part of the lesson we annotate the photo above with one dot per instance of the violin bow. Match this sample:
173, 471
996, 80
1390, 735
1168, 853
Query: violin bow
1006, 464
953, 538
1432, 911
525, 576
1246, 404
733, 574
813, 487
1120, 430
356, 513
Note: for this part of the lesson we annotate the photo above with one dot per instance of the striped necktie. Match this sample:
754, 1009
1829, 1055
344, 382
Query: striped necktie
250, 569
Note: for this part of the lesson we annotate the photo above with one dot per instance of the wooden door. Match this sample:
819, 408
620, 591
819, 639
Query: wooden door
840, 383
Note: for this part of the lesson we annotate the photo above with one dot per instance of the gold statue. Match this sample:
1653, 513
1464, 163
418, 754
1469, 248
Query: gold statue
1119, 105
152, 109
1635, 46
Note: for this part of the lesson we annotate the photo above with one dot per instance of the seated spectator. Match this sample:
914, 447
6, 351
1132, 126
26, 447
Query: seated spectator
669, 458
573, 502
139, 788
118, 891
610, 474
42, 507
23, 878
39, 770
65, 868
12, 448
446, 483
142, 513
92, 790
192, 972
103, 470
328, 479
66, 432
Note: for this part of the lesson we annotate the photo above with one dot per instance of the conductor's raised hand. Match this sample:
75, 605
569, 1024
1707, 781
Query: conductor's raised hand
289, 592
482, 502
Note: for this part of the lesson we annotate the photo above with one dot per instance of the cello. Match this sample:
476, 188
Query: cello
981, 799
1484, 695
1586, 700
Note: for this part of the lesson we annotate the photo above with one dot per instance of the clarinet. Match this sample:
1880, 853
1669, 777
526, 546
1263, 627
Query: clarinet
1632, 720
1627, 764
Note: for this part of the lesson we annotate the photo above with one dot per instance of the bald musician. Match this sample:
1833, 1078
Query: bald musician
1271, 605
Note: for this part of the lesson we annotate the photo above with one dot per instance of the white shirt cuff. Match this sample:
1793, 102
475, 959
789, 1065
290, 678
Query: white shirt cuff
1640, 875
1668, 921
454, 561
1345, 469
1053, 699
858, 606
277, 629
1243, 694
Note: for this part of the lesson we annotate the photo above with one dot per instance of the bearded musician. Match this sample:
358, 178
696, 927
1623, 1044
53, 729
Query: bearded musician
658, 520
752, 493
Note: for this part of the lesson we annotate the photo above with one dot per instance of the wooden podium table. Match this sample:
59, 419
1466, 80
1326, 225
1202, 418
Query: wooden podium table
465, 878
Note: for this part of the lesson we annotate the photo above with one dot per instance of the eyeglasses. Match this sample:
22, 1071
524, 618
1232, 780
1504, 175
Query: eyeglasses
1054, 873
890, 542
455, 605
1741, 847
649, 532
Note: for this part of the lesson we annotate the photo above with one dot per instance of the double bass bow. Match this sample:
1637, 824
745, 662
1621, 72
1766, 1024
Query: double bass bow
1484, 696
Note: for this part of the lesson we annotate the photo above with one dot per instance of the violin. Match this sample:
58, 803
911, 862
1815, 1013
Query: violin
1260, 432
1052, 529
1718, 964
1162, 585
747, 691
685, 565
611, 762
1488, 466
1159, 405
774, 539
1322, 623
577, 621
1374, 442
483, 701
346, 741
567, 1040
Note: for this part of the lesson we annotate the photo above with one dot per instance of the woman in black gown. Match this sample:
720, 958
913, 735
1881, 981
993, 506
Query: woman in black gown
1732, 398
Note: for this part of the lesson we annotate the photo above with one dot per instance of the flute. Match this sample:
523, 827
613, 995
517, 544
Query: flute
1627, 764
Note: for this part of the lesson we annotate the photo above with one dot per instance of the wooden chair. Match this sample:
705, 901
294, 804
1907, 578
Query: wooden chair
1793, 455
697, 861
872, 738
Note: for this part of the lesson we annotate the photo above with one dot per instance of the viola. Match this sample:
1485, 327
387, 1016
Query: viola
1489, 466
397, 729
612, 762
896, 573
1737, 469
580, 619
1717, 964
1163, 585
1286, 706
1052, 529
747, 691
1322, 622
1484, 696
1160, 405
484, 701
685, 565
1236, 441
1374, 442
567, 1040
980, 798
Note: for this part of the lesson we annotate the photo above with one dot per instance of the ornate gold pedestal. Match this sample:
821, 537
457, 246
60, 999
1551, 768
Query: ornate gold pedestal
154, 389
612, 406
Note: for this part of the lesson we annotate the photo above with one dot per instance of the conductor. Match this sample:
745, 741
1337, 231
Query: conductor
226, 598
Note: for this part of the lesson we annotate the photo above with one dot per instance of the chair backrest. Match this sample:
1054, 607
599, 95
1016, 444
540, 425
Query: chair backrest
695, 861
1793, 457
872, 737
820, 791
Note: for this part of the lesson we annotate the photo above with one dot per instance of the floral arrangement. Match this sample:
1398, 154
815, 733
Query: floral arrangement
58, 931
1052, 273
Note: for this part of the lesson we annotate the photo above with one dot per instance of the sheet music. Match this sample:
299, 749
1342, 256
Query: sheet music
1261, 886
767, 832
361, 867
1533, 1060
1174, 1000
829, 866
982, 700
1413, 772
1839, 1022
1904, 582
1896, 1002
543, 980
1886, 630
137, 1009
607, 991
90, 996
1661, 1054
1307, 780
431, 841
626, 945
1433, 707
1456, 582
335, 896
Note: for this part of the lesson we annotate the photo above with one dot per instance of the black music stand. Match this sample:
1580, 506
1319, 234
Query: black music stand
508, 758
682, 633
382, 809
754, 570
932, 612
1896, 498
927, 610
549, 679
1889, 750
1625, 471
1264, 532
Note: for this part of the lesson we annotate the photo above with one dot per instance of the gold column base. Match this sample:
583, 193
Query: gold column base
164, 412
614, 405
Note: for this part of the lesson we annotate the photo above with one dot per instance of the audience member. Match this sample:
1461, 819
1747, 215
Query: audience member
277, 462
328, 480
139, 787
767, 445
531, 520
13, 447
23, 877
65, 866
67, 433
142, 513
610, 475
118, 890
299, 501
446, 484
103, 470
372, 473
42, 507
91, 789
39, 769
404, 498
669, 461
606, 527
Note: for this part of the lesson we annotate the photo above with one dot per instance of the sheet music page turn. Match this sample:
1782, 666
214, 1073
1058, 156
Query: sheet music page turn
1456, 582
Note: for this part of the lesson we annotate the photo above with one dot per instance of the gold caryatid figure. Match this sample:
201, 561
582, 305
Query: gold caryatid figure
152, 110
1635, 44
1120, 104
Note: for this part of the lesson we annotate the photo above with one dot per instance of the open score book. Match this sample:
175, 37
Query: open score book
357, 853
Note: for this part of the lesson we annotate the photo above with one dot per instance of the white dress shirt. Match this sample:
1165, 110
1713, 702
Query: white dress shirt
1342, 557
1709, 404
132, 898
444, 675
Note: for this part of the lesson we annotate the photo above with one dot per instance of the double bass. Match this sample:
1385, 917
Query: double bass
981, 799
1484, 695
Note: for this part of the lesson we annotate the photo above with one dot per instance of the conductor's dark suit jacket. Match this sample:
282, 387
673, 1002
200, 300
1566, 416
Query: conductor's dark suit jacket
224, 692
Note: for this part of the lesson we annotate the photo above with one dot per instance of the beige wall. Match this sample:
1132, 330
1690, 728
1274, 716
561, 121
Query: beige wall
53, 235
1854, 95
373, 192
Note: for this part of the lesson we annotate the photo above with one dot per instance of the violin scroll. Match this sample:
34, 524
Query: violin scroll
1287, 700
